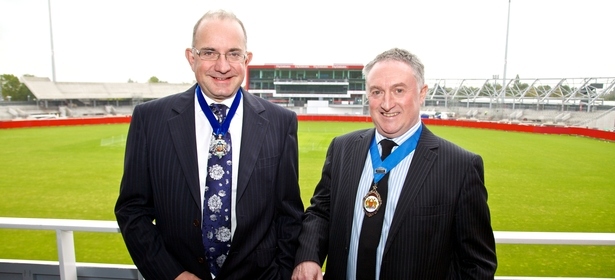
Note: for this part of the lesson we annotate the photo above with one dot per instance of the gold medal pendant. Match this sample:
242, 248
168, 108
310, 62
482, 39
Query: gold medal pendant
372, 202
219, 148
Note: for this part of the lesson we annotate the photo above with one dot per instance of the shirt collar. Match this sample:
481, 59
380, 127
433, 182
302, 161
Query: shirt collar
228, 102
402, 138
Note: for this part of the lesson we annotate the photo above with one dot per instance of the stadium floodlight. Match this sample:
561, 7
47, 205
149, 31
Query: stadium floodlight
505, 60
53, 63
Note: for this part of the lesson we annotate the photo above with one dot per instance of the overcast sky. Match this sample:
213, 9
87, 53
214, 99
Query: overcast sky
117, 40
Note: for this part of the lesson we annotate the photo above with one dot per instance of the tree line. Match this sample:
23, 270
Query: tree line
13, 89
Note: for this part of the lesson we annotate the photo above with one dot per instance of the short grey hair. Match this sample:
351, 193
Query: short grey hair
402, 56
220, 15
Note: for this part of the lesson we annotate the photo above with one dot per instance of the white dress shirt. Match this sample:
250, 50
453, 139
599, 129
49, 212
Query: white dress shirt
396, 181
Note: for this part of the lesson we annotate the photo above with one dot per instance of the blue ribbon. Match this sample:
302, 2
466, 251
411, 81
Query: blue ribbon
219, 129
381, 168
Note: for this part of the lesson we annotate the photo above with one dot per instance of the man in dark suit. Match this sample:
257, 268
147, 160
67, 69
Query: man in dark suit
419, 213
183, 217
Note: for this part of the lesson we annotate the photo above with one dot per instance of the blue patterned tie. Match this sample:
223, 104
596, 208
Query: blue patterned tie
217, 201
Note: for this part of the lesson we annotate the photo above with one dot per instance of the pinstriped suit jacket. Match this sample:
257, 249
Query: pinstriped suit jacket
160, 183
441, 228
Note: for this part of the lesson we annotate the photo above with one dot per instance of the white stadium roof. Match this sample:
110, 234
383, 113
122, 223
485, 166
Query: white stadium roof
45, 89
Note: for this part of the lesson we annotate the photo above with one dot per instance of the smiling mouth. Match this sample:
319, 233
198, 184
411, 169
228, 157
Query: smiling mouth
389, 114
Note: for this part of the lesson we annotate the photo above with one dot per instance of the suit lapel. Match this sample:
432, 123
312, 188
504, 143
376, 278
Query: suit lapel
253, 132
424, 157
181, 127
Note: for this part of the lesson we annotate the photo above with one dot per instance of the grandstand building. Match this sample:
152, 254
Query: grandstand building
294, 85
339, 89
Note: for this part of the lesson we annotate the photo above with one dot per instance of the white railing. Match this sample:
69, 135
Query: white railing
68, 266
64, 236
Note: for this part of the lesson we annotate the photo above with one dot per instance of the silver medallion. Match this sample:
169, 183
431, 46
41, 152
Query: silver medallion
219, 147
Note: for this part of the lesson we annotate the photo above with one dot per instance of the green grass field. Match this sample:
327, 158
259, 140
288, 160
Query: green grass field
535, 183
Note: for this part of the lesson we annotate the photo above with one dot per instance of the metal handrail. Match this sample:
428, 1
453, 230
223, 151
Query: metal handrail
68, 266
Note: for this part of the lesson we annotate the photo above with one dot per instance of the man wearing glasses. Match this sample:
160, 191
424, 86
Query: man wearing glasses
210, 184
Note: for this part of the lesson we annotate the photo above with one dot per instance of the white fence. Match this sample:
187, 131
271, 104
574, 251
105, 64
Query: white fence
64, 229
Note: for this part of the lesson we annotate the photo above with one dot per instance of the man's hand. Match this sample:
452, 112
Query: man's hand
307, 271
187, 276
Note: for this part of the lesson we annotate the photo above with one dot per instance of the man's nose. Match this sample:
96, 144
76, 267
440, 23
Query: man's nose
387, 101
222, 64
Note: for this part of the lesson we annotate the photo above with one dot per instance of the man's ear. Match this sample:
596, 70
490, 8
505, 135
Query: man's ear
423, 93
248, 58
190, 57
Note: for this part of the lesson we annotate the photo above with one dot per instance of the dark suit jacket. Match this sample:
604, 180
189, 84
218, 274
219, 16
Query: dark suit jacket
161, 185
441, 228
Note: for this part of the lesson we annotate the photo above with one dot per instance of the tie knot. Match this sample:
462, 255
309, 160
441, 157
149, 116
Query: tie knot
219, 111
387, 146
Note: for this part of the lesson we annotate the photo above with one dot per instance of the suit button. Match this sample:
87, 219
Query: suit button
201, 260
196, 223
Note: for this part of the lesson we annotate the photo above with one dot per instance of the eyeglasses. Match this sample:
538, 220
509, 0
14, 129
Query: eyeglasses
235, 56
